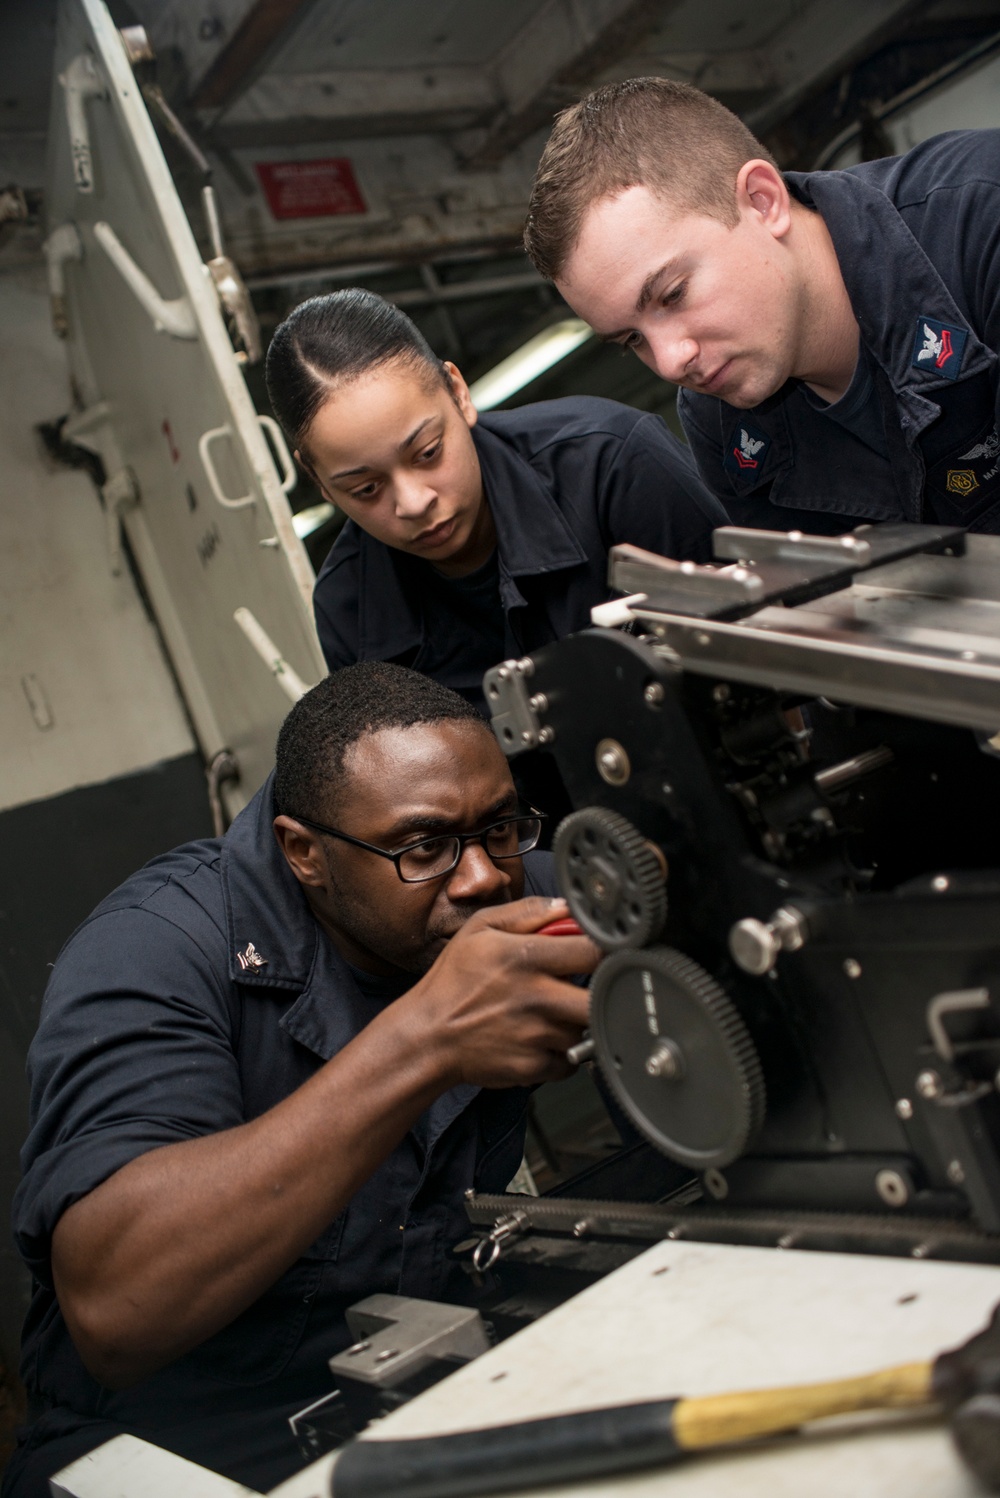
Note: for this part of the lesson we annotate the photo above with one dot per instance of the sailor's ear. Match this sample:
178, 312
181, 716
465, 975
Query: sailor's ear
460, 393
761, 193
302, 850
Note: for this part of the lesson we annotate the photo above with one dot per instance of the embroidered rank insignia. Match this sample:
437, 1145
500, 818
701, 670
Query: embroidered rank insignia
250, 958
938, 347
746, 449
961, 481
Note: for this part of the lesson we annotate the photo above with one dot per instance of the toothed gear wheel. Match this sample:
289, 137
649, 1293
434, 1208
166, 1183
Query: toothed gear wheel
611, 877
677, 1055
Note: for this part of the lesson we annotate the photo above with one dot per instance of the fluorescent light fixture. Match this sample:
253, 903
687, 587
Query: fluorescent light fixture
307, 521
528, 362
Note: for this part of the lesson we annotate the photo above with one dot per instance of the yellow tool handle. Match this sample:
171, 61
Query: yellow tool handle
720, 1419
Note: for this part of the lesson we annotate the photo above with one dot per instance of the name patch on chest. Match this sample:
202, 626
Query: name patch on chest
746, 449
938, 347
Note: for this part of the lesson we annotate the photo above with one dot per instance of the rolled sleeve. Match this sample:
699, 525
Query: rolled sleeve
119, 1068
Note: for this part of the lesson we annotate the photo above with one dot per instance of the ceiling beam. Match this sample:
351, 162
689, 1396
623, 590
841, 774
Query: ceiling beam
551, 59
264, 25
357, 103
821, 42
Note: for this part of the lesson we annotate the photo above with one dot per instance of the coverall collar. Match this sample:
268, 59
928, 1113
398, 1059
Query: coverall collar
276, 942
533, 538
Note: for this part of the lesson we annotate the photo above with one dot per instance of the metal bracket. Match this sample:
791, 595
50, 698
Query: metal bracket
396, 1337
81, 81
174, 317
64, 243
683, 587
120, 494
514, 710
766, 567
958, 1002
288, 679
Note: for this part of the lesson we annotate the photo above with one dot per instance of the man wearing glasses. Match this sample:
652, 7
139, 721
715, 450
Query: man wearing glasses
268, 1068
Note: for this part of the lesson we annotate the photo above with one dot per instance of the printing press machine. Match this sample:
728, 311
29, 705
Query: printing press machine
785, 838
785, 774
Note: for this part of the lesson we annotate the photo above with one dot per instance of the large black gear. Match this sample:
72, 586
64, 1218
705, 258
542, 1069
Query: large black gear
677, 1055
611, 876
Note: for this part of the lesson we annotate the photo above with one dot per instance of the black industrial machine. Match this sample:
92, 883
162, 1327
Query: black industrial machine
786, 839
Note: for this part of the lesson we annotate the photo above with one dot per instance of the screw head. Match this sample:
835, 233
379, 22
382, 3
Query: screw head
852, 967
720, 692
940, 883
546, 735
653, 694
929, 1085
613, 763
904, 1108
956, 1173
892, 1188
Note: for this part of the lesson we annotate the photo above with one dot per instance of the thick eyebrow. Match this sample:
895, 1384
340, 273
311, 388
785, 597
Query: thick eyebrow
646, 289
350, 473
505, 806
642, 300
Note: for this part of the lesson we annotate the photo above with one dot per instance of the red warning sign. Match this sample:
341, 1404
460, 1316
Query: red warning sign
310, 189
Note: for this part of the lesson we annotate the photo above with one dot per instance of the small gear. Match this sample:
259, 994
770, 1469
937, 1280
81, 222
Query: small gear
677, 1055
613, 879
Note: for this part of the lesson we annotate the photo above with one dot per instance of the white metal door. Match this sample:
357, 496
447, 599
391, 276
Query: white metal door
162, 398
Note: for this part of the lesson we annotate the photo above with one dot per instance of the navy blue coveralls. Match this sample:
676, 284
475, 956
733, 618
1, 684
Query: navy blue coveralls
565, 480
918, 241
196, 997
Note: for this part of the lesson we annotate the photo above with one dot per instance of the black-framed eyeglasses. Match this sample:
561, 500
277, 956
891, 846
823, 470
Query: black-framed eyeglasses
433, 857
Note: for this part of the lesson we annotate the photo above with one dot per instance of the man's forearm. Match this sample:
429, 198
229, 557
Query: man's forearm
176, 1244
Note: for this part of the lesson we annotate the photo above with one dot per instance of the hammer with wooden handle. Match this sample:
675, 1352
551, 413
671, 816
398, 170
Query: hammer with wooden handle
622, 1438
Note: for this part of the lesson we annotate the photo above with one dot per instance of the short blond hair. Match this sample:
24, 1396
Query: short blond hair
679, 142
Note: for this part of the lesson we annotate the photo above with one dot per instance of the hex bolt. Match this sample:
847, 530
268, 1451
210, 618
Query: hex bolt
892, 1188
929, 1085
666, 1061
539, 702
